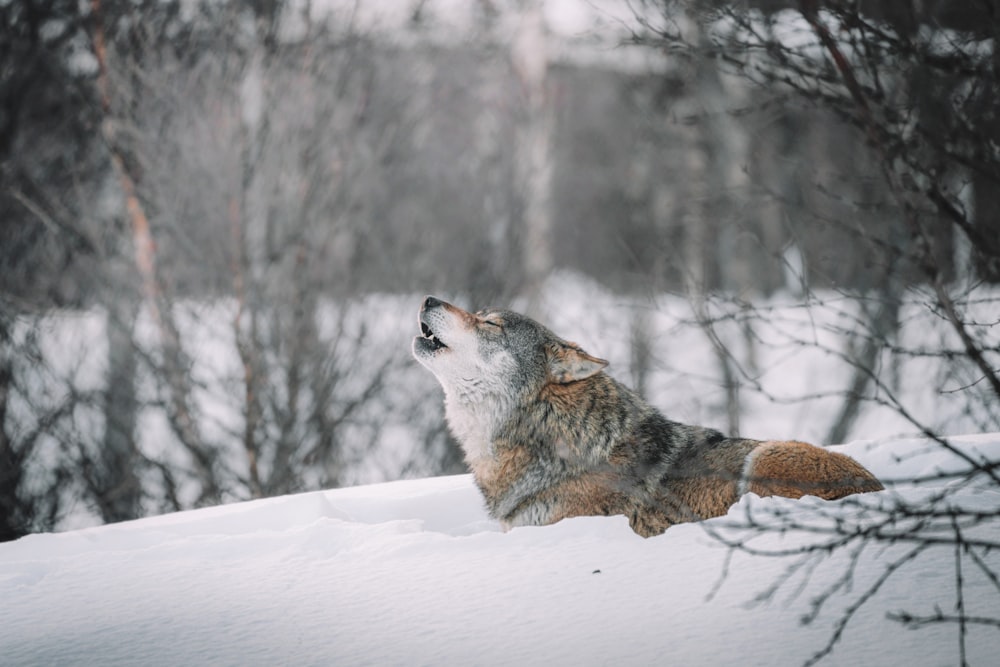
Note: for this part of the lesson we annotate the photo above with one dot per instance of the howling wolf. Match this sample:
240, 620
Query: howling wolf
548, 435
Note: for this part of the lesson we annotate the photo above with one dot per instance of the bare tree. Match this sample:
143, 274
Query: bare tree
256, 159
119, 89
917, 87
249, 165
46, 181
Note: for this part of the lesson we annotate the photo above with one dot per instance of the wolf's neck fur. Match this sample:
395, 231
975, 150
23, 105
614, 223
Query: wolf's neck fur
474, 423
562, 420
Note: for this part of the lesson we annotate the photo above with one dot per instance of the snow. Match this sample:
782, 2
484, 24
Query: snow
792, 376
415, 573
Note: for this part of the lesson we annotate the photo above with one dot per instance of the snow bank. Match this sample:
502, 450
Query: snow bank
415, 573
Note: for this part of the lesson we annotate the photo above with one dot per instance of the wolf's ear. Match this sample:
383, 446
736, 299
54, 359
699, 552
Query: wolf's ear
569, 363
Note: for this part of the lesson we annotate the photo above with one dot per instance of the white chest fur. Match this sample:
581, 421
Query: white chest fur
474, 424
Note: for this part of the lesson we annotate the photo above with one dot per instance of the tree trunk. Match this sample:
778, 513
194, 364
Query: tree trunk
173, 365
721, 149
882, 325
11, 463
117, 484
533, 162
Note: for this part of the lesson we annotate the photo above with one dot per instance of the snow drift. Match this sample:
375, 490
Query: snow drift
415, 573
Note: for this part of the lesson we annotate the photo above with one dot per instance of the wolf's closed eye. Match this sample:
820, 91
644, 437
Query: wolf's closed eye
484, 317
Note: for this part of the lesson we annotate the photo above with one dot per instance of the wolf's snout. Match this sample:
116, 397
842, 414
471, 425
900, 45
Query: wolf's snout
429, 319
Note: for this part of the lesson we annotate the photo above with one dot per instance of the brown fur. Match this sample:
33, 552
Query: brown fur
548, 435
795, 469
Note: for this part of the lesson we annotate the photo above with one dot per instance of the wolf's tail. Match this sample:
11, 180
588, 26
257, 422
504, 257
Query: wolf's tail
795, 469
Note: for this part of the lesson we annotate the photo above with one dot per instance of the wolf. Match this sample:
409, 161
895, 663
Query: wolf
549, 435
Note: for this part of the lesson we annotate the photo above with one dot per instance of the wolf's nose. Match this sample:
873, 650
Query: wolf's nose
431, 302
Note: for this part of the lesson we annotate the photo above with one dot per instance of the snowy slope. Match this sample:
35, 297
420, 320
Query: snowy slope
414, 573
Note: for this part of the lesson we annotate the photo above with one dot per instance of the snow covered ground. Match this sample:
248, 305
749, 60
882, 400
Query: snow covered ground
414, 573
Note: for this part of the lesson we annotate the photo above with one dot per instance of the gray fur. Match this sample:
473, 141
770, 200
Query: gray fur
549, 435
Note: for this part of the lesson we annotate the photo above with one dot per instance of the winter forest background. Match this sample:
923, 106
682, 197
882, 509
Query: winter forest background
217, 220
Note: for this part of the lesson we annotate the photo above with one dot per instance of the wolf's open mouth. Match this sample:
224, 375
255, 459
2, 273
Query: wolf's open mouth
428, 335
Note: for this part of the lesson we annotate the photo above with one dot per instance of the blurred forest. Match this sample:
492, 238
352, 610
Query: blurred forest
272, 168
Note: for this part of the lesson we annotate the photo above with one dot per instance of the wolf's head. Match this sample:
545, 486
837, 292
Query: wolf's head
494, 355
